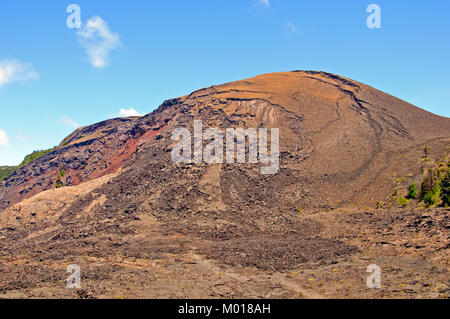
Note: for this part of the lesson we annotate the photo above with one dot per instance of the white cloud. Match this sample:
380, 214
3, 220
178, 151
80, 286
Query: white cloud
98, 40
15, 71
4, 141
290, 26
67, 121
129, 112
262, 3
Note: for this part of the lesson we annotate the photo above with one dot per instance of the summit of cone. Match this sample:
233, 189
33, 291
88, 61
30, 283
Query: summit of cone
338, 137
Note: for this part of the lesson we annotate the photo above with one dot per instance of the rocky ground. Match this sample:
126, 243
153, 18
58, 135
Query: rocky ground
134, 256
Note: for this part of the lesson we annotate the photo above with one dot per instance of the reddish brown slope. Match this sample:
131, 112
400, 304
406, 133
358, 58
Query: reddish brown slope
88, 153
343, 139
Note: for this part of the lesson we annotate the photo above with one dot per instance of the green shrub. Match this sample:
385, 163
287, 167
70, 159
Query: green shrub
430, 190
431, 198
61, 172
402, 201
58, 184
429, 182
412, 191
445, 189
35, 155
5, 171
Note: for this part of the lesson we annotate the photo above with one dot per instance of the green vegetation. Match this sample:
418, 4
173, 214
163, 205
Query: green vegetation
445, 189
61, 173
35, 155
430, 198
5, 171
402, 201
430, 189
412, 191
435, 187
58, 184
299, 210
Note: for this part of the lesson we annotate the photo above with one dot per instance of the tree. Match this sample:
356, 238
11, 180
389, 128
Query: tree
445, 189
430, 189
412, 191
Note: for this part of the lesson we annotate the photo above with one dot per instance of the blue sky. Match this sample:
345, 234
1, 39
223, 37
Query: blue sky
155, 50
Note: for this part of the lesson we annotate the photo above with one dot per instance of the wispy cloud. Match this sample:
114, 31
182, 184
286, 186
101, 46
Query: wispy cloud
15, 71
4, 141
262, 3
67, 121
290, 26
129, 112
98, 40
